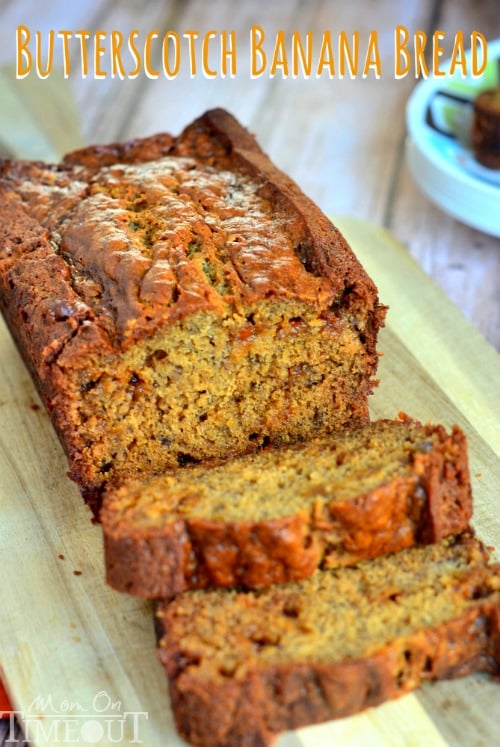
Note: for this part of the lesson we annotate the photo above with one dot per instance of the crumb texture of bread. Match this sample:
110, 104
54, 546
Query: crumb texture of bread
279, 514
245, 666
178, 299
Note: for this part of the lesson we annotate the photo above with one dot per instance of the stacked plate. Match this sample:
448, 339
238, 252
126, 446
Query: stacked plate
439, 156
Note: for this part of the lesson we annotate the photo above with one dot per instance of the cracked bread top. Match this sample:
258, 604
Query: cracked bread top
117, 240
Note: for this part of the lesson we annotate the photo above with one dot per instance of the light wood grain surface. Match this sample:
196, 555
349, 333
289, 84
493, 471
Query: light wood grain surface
343, 142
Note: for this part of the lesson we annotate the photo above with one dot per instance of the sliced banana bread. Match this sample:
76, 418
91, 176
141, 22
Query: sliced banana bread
281, 513
245, 666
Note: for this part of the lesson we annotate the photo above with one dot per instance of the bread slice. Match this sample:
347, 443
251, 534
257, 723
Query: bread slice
279, 514
178, 299
245, 666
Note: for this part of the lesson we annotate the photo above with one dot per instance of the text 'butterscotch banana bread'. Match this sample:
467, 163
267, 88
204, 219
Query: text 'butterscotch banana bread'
279, 514
245, 666
179, 298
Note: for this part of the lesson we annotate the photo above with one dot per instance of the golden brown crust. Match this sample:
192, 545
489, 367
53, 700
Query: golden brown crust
40, 202
179, 553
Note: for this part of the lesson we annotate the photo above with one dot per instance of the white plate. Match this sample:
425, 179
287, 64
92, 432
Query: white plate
439, 117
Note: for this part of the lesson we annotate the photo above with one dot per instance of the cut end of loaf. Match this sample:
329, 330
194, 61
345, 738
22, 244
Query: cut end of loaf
214, 386
178, 299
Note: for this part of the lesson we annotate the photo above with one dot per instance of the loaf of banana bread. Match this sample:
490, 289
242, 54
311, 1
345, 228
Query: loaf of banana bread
245, 666
279, 514
178, 299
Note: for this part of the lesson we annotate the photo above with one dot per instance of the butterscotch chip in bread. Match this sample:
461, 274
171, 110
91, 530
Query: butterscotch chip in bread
279, 514
178, 299
245, 666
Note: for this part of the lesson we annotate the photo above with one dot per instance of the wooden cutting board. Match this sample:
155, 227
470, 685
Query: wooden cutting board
79, 659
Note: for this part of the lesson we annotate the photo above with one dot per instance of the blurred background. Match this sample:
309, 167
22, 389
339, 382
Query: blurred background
341, 139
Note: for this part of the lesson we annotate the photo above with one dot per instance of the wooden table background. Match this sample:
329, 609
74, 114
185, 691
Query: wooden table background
341, 140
